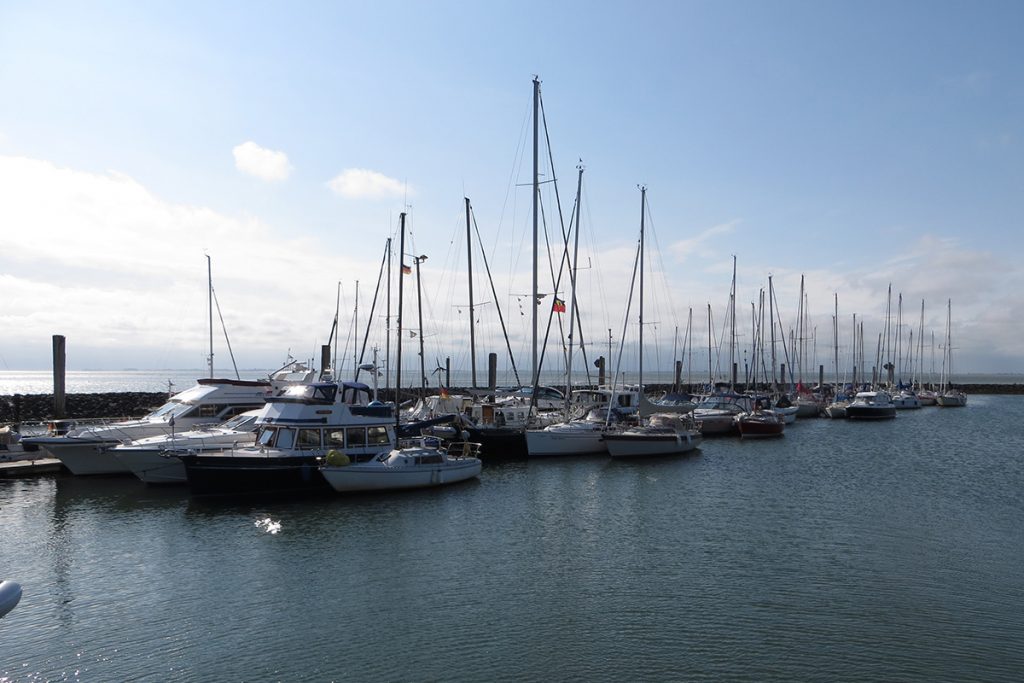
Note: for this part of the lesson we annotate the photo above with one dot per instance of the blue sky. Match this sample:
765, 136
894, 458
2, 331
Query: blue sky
859, 144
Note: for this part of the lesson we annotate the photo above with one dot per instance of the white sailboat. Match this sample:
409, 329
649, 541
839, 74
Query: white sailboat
948, 396
663, 434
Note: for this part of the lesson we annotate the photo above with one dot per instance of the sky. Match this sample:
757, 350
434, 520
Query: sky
860, 146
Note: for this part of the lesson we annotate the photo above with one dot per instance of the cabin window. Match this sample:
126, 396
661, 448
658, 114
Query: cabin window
336, 438
309, 439
266, 437
210, 410
377, 436
356, 437
433, 459
623, 400
285, 438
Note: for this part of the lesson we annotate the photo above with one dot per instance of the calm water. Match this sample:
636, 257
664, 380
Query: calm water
845, 551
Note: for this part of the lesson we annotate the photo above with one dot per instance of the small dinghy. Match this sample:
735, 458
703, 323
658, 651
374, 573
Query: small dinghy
10, 594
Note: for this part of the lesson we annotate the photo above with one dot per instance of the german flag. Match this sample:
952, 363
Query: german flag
558, 306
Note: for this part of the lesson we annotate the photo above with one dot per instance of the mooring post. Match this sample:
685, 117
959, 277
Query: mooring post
492, 371
600, 371
448, 372
821, 375
58, 376
678, 383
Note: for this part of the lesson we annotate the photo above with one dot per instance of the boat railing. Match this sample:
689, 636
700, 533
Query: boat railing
462, 449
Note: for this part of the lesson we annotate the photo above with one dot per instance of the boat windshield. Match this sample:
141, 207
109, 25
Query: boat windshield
169, 410
240, 422
311, 392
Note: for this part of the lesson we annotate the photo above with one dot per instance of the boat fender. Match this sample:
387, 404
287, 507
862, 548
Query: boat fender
337, 458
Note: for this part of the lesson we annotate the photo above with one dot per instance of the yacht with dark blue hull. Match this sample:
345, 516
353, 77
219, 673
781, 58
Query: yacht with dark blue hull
296, 431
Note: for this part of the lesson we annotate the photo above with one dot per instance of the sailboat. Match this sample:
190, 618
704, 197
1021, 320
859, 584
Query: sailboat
948, 396
664, 433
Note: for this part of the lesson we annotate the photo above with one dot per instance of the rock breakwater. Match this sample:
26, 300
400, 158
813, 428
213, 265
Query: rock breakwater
39, 407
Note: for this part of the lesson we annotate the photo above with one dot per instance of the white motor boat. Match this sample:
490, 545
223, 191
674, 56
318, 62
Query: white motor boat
906, 399
871, 405
149, 458
10, 595
88, 450
664, 434
424, 463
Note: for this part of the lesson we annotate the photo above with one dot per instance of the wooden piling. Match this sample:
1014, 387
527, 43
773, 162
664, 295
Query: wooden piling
59, 405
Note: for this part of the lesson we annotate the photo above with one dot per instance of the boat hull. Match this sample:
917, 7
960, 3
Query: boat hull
716, 425
644, 445
545, 443
854, 412
231, 475
84, 456
951, 400
374, 477
760, 427
153, 466
499, 442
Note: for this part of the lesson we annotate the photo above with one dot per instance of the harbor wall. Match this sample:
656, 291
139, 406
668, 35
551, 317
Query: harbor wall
40, 407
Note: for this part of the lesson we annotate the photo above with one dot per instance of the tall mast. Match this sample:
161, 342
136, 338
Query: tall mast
387, 321
472, 316
835, 337
398, 319
732, 330
643, 206
535, 380
355, 331
711, 374
209, 294
771, 323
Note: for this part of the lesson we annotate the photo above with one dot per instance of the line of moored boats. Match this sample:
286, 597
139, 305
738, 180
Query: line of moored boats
295, 433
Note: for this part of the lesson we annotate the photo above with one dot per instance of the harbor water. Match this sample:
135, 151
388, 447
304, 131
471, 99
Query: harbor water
844, 551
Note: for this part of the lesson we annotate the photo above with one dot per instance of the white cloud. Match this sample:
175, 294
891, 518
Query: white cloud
697, 245
361, 183
266, 164
121, 272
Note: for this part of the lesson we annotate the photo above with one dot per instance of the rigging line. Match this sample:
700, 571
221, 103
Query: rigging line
369, 319
497, 305
225, 328
622, 341
556, 282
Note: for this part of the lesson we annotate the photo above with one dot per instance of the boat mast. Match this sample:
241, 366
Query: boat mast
387, 319
643, 207
398, 318
209, 294
771, 323
711, 374
835, 338
535, 379
472, 318
355, 331
732, 330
